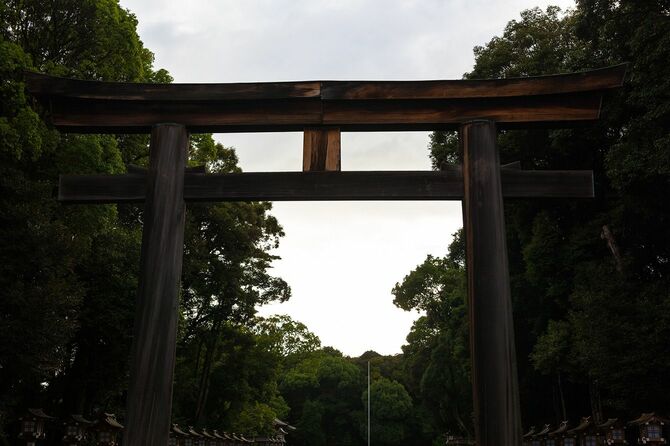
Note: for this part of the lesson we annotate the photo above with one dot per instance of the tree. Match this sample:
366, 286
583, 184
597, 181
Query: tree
69, 274
436, 354
225, 268
323, 391
242, 393
285, 337
390, 407
53, 281
582, 293
89, 39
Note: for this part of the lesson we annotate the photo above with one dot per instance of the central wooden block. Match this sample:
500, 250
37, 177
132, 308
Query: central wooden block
321, 150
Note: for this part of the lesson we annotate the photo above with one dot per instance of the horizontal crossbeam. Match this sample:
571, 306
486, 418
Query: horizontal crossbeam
326, 186
106, 107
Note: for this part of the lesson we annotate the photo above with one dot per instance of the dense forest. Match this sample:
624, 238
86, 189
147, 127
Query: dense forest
590, 278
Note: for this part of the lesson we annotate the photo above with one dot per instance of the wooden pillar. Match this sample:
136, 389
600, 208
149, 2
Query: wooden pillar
149, 404
494, 377
321, 150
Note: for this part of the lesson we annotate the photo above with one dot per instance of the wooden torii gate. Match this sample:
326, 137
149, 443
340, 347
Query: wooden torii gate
322, 110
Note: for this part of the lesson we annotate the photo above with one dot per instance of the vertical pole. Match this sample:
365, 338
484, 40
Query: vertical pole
494, 378
368, 403
149, 403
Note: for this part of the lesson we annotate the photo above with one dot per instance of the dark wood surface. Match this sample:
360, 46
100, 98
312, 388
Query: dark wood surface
86, 106
41, 84
306, 186
149, 401
98, 188
599, 79
86, 116
494, 377
321, 150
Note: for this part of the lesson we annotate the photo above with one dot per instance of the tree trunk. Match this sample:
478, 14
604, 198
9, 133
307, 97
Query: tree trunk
205, 377
560, 392
596, 405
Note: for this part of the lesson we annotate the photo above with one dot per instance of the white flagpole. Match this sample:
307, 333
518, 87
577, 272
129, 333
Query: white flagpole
368, 403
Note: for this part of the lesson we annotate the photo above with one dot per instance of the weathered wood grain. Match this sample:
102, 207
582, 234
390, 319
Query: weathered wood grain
81, 115
41, 84
409, 114
242, 116
495, 385
85, 106
321, 150
149, 401
299, 186
600, 79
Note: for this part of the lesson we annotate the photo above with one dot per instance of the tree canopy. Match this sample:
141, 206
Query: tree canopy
69, 274
589, 278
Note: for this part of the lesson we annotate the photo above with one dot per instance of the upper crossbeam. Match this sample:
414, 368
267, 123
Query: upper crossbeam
108, 107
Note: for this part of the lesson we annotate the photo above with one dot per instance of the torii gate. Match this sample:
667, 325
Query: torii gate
322, 110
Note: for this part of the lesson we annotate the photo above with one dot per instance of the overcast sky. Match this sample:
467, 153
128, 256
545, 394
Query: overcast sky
341, 258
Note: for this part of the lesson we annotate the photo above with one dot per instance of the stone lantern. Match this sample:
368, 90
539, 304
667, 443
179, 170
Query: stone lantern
32, 426
541, 437
107, 430
198, 439
650, 429
177, 436
586, 432
230, 441
528, 435
76, 428
190, 439
210, 440
220, 439
282, 428
613, 432
559, 435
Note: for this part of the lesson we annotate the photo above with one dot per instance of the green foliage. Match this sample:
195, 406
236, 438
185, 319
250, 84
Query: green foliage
588, 311
91, 39
225, 277
309, 426
69, 274
227, 381
256, 419
553, 349
542, 42
620, 329
64, 309
436, 356
390, 407
323, 391
444, 150
285, 337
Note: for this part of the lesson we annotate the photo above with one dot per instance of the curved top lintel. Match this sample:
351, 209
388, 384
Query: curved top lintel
117, 107
593, 80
